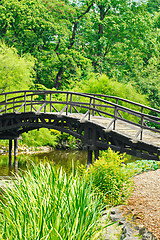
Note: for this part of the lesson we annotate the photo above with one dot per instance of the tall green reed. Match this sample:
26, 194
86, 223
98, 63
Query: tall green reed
49, 204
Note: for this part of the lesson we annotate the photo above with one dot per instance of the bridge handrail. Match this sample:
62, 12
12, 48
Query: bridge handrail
138, 114
90, 106
83, 94
125, 100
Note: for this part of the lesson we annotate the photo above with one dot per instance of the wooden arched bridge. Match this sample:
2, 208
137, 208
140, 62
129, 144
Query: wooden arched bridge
100, 121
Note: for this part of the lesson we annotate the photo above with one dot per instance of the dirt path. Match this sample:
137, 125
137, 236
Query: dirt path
144, 203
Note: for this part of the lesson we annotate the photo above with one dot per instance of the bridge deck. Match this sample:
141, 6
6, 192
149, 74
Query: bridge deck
123, 128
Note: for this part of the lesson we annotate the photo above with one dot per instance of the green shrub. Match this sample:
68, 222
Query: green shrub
16, 73
108, 178
140, 166
43, 137
47, 204
112, 178
105, 85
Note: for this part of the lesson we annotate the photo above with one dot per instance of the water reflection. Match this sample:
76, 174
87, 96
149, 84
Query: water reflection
68, 159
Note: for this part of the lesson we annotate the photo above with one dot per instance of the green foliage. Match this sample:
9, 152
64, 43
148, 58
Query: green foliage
108, 178
44, 29
153, 6
111, 176
47, 204
147, 81
107, 86
25, 24
104, 85
29, 26
67, 141
140, 166
16, 72
43, 137
157, 20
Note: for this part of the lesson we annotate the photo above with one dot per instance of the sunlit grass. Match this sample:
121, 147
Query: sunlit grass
49, 204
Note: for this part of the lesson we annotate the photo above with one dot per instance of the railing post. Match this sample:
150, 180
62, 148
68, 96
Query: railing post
25, 102
67, 104
31, 102
5, 103
45, 103
90, 105
50, 102
14, 105
71, 103
93, 106
142, 120
115, 115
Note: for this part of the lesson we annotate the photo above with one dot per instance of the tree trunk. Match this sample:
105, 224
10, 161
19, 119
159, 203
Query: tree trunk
58, 81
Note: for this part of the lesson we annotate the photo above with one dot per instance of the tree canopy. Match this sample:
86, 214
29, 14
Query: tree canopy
72, 40
16, 72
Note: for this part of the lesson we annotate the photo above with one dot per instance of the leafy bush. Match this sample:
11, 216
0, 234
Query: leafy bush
47, 204
111, 177
107, 86
43, 137
16, 73
108, 179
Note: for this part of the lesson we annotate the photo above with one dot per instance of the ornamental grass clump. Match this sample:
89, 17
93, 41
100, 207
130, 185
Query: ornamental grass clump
108, 179
48, 204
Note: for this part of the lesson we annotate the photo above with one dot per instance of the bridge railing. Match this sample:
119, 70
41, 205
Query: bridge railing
88, 105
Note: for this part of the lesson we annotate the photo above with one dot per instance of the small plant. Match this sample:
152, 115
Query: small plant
140, 166
108, 178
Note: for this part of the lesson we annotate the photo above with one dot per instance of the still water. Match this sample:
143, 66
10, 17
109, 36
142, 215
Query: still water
68, 159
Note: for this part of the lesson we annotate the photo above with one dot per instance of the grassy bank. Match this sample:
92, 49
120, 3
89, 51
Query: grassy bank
46, 203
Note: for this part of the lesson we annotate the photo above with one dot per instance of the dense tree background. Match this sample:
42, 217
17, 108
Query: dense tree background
16, 72
64, 43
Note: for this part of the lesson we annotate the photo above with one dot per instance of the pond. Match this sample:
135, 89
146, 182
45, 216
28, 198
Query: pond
68, 159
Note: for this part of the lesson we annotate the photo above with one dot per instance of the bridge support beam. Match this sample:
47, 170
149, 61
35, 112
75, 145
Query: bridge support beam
89, 158
90, 154
15, 154
10, 152
96, 153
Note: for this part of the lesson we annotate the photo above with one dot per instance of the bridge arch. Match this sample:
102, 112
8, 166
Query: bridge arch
100, 121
